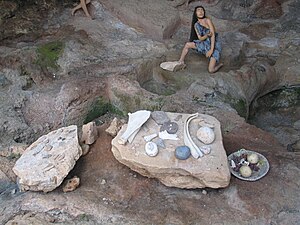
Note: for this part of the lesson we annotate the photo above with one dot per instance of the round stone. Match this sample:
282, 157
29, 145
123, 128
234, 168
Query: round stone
151, 149
182, 152
206, 135
170, 127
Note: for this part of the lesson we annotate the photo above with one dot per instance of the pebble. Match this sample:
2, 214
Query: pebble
182, 152
103, 181
204, 192
160, 143
85, 149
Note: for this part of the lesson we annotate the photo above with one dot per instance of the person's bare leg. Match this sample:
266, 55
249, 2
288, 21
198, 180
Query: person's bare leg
75, 9
79, 6
185, 50
212, 67
83, 5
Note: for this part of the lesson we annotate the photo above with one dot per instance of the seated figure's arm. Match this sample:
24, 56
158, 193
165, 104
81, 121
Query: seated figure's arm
212, 34
201, 38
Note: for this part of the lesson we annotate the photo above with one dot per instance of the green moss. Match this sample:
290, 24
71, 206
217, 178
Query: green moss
99, 108
129, 103
13, 156
241, 107
84, 217
159, 88
49, 53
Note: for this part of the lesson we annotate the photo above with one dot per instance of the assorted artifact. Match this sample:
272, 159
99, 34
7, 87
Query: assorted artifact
168, 131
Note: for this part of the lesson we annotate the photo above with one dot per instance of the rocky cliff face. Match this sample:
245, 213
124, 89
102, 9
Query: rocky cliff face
57, 70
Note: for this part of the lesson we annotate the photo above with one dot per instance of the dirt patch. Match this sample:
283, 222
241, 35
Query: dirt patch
130, 195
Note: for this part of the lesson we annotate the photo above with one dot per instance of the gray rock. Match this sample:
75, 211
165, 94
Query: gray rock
170, 127
46, 162
3, 81
4, 181
297, 125
182, 152
160, 143
160, 117
85, 149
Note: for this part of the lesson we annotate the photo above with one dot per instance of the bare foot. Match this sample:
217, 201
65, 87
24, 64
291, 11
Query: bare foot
219, 66
179, 66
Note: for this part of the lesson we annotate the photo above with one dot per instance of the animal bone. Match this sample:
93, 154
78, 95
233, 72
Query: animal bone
166, 136
131, 138
195, 151
135, 121
150, 137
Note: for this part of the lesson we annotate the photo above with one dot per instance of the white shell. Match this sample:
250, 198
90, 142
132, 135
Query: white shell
151, 149
206, 135
233, 164
205, 149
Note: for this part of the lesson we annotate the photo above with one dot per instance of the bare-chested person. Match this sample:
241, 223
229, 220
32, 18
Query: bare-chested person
82, 4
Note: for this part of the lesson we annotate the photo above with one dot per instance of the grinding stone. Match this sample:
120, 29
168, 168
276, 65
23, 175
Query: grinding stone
170, 127
160, 117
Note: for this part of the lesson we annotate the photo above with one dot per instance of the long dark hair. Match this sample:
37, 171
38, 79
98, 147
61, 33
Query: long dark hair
193, 34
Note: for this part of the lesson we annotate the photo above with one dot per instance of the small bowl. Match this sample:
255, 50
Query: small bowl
264, 166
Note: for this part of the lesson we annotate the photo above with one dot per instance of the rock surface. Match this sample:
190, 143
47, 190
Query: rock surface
4, 181
210, 171
156, 18
46, 162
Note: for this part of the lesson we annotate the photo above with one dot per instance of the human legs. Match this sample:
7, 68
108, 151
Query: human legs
212, 66
185, 51
82, 5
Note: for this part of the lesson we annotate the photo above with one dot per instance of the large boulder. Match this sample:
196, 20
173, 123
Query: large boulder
44, 164
209, 171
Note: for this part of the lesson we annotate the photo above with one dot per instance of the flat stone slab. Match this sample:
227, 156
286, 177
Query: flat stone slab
44, 164
212, 170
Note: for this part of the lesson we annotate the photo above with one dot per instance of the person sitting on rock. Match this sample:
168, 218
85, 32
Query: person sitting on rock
204, 40
82, 4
